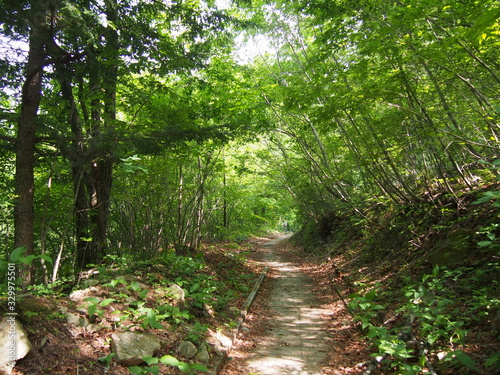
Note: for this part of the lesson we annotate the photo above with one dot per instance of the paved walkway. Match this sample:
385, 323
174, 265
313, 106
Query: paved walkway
297, 341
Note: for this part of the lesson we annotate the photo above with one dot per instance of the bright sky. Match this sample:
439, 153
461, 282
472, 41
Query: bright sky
248, 50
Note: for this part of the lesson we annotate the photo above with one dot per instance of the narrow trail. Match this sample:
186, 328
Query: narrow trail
297, 340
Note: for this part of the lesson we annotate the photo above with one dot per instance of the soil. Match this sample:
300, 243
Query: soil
347, 351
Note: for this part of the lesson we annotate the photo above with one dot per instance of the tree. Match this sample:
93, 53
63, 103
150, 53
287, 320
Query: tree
376, 100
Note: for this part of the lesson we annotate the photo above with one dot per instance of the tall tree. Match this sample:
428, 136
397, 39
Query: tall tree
26, 131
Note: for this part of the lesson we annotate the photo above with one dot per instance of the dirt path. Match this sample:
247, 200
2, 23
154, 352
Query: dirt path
297, 340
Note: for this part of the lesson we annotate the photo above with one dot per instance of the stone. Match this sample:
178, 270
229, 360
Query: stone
130, 347
202, 356
187, 349
63, 309
14, 343
208, 310
76, 320
224, 340
93, 328
178, 294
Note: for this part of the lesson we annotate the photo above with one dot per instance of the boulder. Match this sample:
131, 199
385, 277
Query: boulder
202, 356
14, 343
178, 294
187, 349
130, 347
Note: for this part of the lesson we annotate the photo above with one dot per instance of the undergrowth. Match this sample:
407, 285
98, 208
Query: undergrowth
423, 280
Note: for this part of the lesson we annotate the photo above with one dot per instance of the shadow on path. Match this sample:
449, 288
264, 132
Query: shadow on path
297, 341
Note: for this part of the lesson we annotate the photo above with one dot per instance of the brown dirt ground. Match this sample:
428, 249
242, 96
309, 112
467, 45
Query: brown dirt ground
350, 349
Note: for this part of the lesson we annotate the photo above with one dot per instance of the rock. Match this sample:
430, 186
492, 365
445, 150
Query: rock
76, 320
208, 310
187, 349
80, 295
130, 347
178, 294
63, 309
90, 282
93, 328
14, 343
224, 340
202, 356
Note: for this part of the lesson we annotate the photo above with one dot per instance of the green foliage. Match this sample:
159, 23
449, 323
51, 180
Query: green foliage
18, 256
189, 368
492, 243
434, 318
197, 333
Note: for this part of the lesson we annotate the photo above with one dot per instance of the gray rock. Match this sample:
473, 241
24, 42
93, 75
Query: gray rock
63, 309
187, 349
76, 320
93, 328
14, 343
202, 356
178, 294
130, 347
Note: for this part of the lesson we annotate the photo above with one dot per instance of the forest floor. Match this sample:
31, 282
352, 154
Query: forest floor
62, 350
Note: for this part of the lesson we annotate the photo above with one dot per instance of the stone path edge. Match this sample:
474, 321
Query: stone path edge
219, 365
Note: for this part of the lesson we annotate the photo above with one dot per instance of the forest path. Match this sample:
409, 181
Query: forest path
297, 339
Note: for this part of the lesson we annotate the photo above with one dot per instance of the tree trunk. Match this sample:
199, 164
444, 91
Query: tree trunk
25, 145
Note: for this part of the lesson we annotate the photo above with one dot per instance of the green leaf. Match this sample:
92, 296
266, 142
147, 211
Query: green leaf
169, 360
484, 243
154, 324
46, 258
107, 301
92, 299
27, 260
108, 358
199, 367
14, 256
493, 361
91, 309
150, 360
184, 367
135, 286
464, 359
136, 370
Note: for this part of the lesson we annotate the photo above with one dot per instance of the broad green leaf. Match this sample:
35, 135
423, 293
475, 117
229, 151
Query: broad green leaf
27, 260
106, 302
150, 360
136, 370
17, 253
199, 367
169, 360
154, 370
46, 258
135, 286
